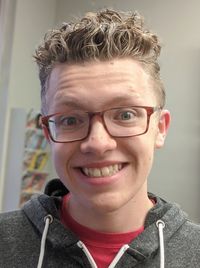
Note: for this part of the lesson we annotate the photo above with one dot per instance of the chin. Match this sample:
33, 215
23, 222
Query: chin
107, 202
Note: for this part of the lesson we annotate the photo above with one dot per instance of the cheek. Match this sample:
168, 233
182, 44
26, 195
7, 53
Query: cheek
140, 146
60, 155
141, 151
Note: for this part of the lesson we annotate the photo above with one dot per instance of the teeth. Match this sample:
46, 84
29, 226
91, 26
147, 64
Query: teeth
95, 172
102, 172
106, 171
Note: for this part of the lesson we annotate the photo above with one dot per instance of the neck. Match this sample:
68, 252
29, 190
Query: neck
127, 218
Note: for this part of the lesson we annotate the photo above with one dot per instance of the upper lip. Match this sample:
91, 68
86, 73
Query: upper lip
100, 164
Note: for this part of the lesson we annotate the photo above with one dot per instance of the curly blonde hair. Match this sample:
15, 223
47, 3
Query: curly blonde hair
103, 35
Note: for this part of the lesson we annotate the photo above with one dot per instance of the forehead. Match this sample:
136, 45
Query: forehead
100, 83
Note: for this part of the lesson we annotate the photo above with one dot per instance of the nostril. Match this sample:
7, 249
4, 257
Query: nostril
97, 144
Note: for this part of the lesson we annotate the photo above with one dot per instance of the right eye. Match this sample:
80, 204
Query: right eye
69, 122
66, 121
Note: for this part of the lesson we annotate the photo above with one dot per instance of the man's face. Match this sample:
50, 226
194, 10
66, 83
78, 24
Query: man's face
97, 86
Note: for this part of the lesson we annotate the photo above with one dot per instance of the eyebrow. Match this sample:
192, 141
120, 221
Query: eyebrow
75, 103
117, 101
71, 102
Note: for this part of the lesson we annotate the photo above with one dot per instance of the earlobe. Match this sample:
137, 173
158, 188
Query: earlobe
163, 126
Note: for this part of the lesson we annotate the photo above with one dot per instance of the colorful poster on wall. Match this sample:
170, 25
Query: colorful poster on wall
36, 156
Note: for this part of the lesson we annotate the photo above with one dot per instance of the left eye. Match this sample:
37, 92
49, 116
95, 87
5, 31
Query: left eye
126, 115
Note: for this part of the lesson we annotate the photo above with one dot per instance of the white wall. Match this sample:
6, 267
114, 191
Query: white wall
7, 18
21, 85
33, 18
176, 173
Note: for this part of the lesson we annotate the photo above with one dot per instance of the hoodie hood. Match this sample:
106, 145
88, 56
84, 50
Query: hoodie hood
144, 247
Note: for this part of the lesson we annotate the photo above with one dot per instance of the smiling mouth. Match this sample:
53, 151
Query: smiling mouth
102, 172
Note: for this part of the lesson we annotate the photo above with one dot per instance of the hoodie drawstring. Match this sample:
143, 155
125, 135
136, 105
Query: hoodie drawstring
91, 260
48, 220
161, 225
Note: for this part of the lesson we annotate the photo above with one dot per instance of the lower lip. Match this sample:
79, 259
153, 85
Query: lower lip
100, 181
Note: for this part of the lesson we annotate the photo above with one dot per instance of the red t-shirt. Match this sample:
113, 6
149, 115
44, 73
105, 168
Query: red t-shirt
102, 246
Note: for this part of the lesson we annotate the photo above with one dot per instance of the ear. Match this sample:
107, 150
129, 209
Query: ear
163, 126
46, 133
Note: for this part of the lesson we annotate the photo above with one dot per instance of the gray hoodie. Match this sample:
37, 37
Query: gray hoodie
35, 237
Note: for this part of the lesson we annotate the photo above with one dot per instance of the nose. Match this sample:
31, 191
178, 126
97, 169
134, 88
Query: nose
99, 140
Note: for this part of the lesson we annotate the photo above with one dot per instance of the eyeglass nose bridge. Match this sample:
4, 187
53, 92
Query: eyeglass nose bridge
91, 115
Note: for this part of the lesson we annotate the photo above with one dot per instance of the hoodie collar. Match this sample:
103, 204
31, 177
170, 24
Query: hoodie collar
144, 246
147, 243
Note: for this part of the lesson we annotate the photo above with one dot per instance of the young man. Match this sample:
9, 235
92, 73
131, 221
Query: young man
103, 115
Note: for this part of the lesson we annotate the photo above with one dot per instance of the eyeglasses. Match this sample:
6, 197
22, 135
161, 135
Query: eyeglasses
75, 125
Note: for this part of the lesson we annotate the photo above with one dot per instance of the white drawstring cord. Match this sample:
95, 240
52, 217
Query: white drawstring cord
118, 256
91, 260
48, 220
87, 253
161, 225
